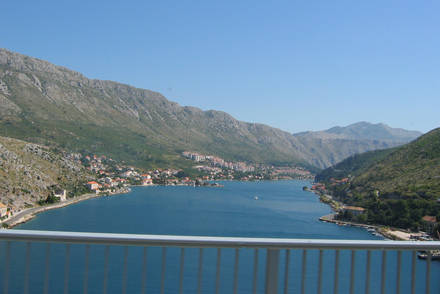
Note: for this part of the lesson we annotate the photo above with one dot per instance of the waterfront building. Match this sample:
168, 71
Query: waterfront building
354, 210
3, 210
61, 194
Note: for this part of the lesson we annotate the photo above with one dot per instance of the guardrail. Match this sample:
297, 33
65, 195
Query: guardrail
276, 260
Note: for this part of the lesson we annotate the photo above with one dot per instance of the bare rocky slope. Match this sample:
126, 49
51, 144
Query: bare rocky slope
30, 172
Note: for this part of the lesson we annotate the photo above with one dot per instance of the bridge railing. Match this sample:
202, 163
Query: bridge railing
276, 261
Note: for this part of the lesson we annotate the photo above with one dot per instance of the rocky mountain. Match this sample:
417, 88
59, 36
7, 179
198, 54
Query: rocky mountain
30, 172
335, 144
52, 105
366, 131
41, 102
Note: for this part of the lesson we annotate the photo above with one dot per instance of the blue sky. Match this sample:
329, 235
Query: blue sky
295, 65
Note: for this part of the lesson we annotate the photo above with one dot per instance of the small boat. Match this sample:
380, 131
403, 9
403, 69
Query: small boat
256, 198
435, 255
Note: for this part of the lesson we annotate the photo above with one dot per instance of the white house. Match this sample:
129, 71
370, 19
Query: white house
62, 194
3, 210
355, 210
147, 182
93, 185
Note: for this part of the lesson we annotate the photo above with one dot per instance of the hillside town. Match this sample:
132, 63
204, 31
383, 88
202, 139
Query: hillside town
111, 176
104, 176
218, 168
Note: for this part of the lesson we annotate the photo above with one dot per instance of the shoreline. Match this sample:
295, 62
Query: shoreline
387, 233
377, 230
30, 213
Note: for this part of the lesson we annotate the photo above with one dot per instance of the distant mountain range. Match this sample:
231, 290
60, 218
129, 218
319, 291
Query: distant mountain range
52, 105
365, 131
335, 144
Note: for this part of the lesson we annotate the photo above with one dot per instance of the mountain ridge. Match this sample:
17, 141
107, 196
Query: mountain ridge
123, 105
49, 104
362, 131
357, 138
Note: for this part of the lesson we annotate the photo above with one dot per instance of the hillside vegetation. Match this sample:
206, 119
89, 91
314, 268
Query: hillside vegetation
412, 170
353, 165
398, 187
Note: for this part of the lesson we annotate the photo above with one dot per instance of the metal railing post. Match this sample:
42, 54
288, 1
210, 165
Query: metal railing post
352, 271
255, 275
321, 252
384, 271
217, 274
124, 272
144, 271
182, 268
162, 275
368, 273
7, 263
106, 257
286, 272
303, 271
26, 275
413, 272
86, 270
66, 269
272, 264
428, 272
200, 272
46, 271
237, 258
336, 282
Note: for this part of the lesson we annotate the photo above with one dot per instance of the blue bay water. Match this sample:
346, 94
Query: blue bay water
283, 210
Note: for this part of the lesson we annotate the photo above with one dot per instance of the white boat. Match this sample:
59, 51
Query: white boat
256, 198
435, 255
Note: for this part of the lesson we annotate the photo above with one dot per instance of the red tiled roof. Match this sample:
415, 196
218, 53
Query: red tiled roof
354, 208
429, 219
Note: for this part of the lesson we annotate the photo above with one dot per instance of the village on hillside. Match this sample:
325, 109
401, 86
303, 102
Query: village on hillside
107, 177
238, 170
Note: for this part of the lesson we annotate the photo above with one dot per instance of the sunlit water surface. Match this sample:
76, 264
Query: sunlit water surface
283, 210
